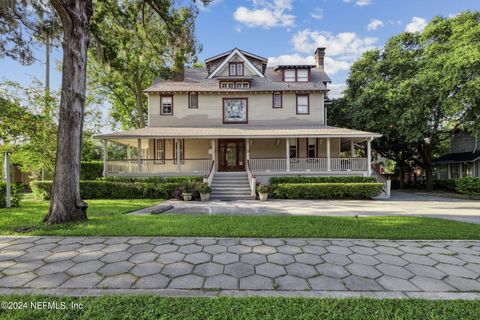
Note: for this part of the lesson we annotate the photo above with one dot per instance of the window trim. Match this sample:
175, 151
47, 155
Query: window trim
155, 149
273, 99
236, 69
223, 110
308, 103
309, 75
190, 101
295, 73
161, 104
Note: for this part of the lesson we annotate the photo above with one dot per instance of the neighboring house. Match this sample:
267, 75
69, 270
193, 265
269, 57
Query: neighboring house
463, 159
239, 115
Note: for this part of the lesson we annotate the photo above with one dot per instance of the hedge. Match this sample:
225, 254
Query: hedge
468, 185
362, 190
331, 179
111, 190
444, 184
154, 180
91, 170
15, 192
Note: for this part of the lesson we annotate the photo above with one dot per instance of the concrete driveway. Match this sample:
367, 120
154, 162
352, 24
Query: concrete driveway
401, 203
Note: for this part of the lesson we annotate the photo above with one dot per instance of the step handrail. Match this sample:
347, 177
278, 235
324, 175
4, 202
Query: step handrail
252, 180
209, 177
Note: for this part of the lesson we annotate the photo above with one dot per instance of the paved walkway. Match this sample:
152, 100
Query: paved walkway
401, 204
211, 266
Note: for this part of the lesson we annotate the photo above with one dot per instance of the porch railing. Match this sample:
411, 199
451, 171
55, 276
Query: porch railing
308, 164
153, 166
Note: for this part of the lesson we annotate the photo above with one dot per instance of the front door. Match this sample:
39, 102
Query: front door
231, 155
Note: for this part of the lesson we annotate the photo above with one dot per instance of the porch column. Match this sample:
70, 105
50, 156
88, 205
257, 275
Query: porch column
460, 173
177, 146
139, 155
369, 157
329, 164
352, 149
287, 153
247, 148
449, 171
129, 156
7, 177
105, 157
214, 153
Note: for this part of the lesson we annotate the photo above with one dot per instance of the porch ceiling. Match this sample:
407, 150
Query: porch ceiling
240, 131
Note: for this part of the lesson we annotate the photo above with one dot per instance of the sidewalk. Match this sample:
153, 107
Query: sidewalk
239, 267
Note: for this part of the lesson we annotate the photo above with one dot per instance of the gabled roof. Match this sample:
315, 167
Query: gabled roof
226, 53
458, 157
247, 63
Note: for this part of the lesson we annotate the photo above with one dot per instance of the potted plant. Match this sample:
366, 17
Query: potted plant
205, 191
187, 192
262, 192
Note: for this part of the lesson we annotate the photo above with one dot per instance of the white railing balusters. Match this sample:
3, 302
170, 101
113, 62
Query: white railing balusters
153, 166
308, 164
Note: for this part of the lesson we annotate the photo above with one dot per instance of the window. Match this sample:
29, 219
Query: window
277, 100
227, 85
302, 75
289, 75
303, 104
166, 105
235, 69
159, 148
235, 110
181, 143
293, 148
312, 148
193, 100
242, 85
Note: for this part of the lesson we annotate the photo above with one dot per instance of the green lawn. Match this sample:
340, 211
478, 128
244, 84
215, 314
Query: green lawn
154, 307
108, 218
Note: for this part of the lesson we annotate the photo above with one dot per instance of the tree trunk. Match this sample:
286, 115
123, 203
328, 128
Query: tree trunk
66, 203
139, 103
428, 168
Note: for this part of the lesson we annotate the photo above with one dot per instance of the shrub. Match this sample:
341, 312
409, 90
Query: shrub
91, 170
330, 179
110, 190
178, 180
468, 185
16, 194
204, 188
363, 190
448, 185
261, 188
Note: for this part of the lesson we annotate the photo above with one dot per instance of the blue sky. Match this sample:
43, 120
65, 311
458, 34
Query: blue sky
289, 30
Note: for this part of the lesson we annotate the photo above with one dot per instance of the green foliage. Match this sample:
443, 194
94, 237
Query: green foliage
326, 179
468, 185
110, 190
91, 170
327, 190
15, 193
416, 90
154, 180
447, 184
204, 188
262, 188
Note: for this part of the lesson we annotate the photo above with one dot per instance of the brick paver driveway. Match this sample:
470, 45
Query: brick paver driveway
314, 267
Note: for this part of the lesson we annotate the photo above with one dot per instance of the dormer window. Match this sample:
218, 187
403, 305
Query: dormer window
235, 68
290, 75
302, 75
234, 84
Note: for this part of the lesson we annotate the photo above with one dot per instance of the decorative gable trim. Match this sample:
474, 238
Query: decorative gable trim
247, 63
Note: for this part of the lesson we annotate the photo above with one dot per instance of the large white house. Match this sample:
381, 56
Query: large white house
237, 119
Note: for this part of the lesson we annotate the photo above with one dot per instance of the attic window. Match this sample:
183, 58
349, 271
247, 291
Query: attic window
289, 76
302, 75
235, 68
234, 84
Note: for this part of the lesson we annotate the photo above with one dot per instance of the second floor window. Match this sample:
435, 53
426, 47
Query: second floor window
289, 75
303, 104
277, 100
166, 105
235, 69
193, 100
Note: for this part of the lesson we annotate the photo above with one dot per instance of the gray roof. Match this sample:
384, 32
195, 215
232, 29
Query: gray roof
196, 80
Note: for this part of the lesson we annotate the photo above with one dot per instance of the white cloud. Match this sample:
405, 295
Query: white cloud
317, 13
374, 24
416, 25
266, 14
345, 45
336, 90
360, 3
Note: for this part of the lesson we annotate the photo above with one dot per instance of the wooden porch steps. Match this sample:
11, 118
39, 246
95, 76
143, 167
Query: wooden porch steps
230, 186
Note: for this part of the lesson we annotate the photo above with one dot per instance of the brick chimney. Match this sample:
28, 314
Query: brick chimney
320, 57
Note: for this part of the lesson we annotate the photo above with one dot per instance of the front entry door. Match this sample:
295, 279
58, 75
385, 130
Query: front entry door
231, 155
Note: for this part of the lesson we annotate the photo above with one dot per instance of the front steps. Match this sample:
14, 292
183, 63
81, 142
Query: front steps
230, 186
